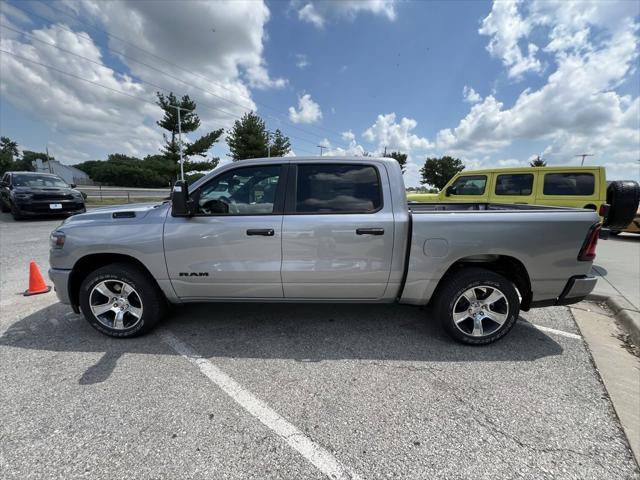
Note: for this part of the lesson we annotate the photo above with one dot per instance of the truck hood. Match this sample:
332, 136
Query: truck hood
117, 213
50, 192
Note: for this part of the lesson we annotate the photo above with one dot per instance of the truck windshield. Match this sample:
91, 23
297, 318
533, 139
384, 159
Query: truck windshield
38, 181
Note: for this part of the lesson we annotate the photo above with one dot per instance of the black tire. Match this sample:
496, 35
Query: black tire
623, 197
151, 299
483, 282
15, 213
4, 207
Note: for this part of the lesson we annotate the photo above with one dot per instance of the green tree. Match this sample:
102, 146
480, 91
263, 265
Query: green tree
189, 122
538, 162
8, 153
280, 144
249, 138
400, 157
11, 160
126, 171
438, 171
9, 147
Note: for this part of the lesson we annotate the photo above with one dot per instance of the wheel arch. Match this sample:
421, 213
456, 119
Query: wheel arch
89, 263
505, 265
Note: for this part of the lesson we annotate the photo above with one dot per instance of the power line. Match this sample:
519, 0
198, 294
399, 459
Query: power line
159, 87
290, 124
63, 72
178, 66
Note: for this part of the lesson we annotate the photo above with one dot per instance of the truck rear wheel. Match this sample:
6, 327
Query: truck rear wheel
477, 306
121, 300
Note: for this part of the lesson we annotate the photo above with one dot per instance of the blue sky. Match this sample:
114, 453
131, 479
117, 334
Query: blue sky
493, 84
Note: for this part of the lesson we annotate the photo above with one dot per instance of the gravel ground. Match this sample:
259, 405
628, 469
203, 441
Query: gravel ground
380, 388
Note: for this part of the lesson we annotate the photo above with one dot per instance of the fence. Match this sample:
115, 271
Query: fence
127, 193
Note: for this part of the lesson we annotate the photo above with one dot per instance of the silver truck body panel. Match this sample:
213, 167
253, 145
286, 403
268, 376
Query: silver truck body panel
546, 243
237, 265
319, 257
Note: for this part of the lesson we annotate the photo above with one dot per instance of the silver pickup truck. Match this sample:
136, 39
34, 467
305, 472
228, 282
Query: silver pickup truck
321, 230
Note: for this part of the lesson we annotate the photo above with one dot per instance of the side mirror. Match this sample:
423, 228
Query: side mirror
72, 185
181, 205
4, 184
449, 191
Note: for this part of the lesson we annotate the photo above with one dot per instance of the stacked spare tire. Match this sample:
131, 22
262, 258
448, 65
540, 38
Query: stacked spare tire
623, 196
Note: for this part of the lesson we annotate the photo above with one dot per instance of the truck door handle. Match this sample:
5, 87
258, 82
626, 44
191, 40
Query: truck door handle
370, 231
267, 232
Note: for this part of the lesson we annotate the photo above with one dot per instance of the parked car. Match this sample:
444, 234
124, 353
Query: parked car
579, 187
29, 194
321, 230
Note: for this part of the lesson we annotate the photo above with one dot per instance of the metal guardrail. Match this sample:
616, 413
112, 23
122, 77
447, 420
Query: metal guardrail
93, 191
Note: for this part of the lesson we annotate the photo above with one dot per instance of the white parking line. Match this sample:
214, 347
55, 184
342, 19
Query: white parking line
313, 452
552, 330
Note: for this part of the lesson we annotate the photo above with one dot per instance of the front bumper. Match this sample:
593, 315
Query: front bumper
576, 290
60, 279
42, 207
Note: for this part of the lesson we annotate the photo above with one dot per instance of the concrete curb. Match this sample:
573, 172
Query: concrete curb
624, 312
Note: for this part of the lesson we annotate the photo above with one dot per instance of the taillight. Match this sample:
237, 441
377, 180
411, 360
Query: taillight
603, 211
588, 250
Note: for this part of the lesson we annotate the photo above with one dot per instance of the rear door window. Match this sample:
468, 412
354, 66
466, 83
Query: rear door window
469, 185
337, 188
514, 184
577, 183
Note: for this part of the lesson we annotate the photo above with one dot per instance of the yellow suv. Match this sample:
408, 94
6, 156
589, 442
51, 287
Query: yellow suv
579, 187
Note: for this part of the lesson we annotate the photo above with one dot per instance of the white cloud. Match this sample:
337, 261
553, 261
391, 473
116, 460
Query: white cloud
470, 95
74, 108
578, 108
309, 14
302, 61
308, 111
507, 28
350, 149
386, 132
223, 43
319, 12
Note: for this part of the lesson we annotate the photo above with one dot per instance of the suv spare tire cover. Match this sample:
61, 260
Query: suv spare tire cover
623, 197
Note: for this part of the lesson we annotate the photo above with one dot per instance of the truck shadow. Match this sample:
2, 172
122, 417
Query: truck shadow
300, 332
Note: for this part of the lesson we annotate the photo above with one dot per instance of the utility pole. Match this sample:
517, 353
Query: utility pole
178, 109
321, 147
48, 159
385, 151
268, 144
583, 155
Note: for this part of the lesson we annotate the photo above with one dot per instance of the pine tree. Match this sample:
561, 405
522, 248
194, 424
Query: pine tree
280, 144
189, 122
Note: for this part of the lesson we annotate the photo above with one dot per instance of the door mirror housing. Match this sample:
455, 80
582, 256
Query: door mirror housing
181, 204
450, 190
72, 185
4, 184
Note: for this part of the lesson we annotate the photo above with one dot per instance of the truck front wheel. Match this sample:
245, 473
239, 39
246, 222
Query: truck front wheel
121, 300
477, 306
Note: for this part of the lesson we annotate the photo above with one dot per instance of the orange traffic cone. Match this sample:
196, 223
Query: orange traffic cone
36, 282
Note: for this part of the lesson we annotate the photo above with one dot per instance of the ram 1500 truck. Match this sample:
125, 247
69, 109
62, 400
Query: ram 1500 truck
321, 230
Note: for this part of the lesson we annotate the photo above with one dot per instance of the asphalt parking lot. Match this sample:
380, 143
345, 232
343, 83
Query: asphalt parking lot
292, 391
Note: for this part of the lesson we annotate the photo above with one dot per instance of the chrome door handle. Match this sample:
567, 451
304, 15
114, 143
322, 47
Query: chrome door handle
370, 231
266, 232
